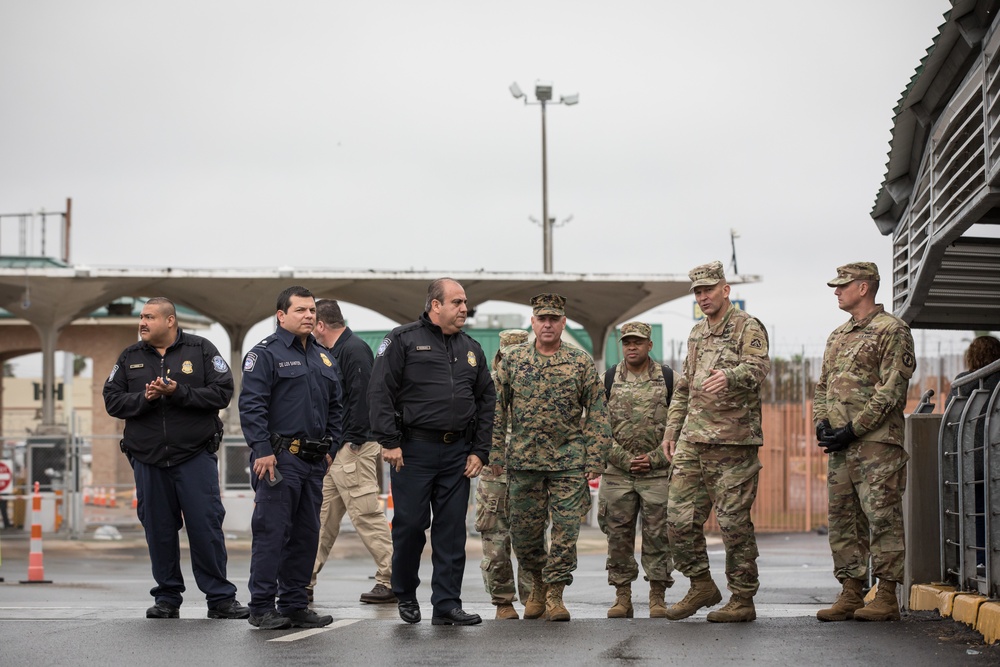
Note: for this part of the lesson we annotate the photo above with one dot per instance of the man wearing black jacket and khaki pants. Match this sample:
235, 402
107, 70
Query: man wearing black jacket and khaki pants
169, 388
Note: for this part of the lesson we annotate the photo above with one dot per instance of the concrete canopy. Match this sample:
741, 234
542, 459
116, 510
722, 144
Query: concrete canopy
238, 299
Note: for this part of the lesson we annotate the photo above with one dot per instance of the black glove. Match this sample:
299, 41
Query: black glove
823, 430
839, 440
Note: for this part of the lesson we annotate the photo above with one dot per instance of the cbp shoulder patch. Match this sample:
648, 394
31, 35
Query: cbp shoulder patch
472, 358
249, 362
383, 347
219, 364
113, 371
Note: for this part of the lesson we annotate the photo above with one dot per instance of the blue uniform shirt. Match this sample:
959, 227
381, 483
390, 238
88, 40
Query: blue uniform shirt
290, 390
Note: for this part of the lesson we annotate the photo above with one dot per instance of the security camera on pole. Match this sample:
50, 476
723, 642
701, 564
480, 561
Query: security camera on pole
543, 96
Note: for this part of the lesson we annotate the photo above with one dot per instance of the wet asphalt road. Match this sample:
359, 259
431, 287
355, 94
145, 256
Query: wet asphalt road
93, 614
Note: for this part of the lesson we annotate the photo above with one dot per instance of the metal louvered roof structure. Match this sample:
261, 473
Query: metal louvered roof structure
940, 200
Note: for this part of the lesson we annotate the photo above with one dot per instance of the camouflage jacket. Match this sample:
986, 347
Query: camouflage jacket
637, 412
555, 406
738, 346
867, 368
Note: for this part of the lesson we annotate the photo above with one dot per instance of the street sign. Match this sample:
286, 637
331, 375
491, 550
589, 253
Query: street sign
6, 476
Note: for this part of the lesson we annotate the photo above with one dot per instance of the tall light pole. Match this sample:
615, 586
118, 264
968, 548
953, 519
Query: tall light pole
543, 95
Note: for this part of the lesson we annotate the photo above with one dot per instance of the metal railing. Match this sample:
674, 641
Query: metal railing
969, 484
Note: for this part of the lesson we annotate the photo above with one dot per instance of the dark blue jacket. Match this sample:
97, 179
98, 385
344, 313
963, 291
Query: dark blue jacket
355, 359
170, 429
290, 390
434, 382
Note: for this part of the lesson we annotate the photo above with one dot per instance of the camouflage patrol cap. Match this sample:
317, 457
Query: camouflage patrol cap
635, 330
513, 337
548, 304
706, 275
848, 273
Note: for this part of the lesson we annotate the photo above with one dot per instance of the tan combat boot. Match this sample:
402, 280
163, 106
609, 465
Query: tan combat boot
555, 610
534, 606
657, 605
848, 602
885, 606
622, 608
739, 609
506, 612
703, 593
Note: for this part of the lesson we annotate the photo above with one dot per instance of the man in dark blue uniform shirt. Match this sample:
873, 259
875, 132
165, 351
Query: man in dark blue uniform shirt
291, 413
169, 388
431, 400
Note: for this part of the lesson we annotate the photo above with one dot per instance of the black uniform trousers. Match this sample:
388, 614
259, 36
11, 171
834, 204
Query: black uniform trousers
285, 526
432, 481
170, 497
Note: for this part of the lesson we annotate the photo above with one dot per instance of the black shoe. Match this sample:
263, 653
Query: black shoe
456, 617
270, 620
409, 611
163, 610
229, 609
381, 594
307, 618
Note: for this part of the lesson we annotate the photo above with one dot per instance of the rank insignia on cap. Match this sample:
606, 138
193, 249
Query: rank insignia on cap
249, 362
471, 357
219, 364
326, 361
187, 368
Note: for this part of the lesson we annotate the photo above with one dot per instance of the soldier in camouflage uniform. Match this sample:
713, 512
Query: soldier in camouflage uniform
635, 481
858, 412
713, 432
553, 398
492, 518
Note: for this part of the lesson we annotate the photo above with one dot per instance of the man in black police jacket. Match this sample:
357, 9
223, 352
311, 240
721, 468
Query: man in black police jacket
431, 401
169, 388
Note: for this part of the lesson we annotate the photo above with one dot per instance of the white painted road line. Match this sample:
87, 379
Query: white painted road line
315, 631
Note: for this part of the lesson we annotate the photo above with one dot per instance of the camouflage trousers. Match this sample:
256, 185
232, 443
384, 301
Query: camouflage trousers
622, 500
493, 525
725, 476
865, 483
535, 496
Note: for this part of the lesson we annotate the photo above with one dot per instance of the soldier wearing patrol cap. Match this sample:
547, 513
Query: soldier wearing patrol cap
491, 518
551, 396
713, 432
635, 481
858, 412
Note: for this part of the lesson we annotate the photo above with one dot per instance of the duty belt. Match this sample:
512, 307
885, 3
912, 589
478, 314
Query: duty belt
425, 435
307, 449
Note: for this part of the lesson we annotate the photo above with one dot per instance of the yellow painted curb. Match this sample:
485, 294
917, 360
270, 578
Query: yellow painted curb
966, 608
927, 597
988, 623
946, 601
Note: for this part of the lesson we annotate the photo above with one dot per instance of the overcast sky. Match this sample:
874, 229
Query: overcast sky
357, 135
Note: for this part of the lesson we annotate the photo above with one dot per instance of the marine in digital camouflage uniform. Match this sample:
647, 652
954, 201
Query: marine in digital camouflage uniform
552, 396
858, 412
713, 432
635, 480
492, 520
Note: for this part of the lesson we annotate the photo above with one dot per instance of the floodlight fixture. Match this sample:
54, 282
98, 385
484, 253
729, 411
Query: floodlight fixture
570, 100
543, 91
516, 91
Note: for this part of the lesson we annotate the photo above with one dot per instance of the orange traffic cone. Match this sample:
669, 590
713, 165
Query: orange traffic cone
112, 499
101, 498
36, 569
135, 498
88, 495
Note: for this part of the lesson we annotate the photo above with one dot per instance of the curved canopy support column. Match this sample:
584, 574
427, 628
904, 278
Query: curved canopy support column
48, 335
237, 334
599, 338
